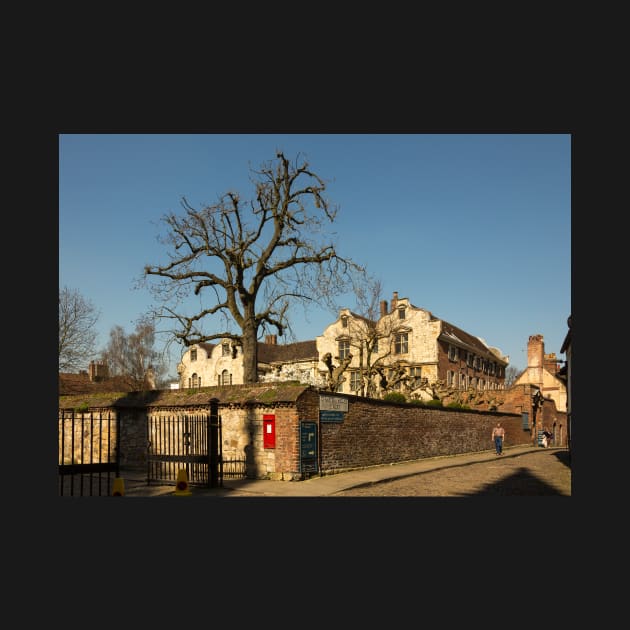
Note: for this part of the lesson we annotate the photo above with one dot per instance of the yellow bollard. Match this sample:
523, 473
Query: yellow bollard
181, 488
118, 489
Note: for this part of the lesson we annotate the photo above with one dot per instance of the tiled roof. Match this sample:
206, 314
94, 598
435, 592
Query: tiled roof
457, 335
261, 393
70, 384
286, 353
361, 317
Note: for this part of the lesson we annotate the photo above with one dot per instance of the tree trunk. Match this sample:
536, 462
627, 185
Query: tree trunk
250, 355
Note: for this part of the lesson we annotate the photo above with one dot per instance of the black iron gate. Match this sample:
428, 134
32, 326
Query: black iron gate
190, 442
89, 447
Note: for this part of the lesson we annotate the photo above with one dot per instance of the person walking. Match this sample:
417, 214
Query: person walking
498, 435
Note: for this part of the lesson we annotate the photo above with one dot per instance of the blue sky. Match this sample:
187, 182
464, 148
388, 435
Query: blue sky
475, 228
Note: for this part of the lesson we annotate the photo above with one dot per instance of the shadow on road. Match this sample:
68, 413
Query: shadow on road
564, 457
520, 483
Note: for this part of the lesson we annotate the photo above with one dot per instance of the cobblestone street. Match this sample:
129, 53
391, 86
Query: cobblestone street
537, 473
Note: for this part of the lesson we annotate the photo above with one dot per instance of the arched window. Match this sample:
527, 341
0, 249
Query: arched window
195, 381
226, 378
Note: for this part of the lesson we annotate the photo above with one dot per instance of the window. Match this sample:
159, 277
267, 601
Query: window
463, 381
225, 348
193, 354
449, 378
355, 381
195, 381
344, 349
416, 376
391, 375
401, 312
344, 322
525, 421
226, 378
401, 343
453, 353
471, 359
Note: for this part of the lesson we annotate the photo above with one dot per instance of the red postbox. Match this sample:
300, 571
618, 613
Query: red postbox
269, 431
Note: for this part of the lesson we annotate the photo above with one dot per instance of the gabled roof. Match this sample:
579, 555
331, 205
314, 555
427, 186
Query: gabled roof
458, 336
367, 320
287, 353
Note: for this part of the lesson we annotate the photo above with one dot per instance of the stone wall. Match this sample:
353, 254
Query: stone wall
372, 431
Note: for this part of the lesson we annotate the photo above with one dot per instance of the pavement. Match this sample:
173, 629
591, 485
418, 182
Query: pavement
317, 486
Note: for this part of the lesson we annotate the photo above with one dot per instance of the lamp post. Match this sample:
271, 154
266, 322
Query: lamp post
537, 403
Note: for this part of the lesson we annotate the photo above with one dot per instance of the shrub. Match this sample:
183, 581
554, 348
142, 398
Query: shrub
395, 397
433, 403
456, 405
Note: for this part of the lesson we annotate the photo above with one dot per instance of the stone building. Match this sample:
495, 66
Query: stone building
544, 371
407, 348
565, 374
207, 364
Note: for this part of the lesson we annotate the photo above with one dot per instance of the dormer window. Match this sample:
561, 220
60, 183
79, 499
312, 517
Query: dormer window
401, 312
193, 354
344, 321
225, 349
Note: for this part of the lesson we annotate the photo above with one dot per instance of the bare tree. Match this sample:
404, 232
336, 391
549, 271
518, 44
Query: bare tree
248, 261
370, 336
77, 333
511, 374
335, 375
134, 356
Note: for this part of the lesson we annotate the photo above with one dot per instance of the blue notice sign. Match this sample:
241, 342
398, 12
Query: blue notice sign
330, 416
308, 446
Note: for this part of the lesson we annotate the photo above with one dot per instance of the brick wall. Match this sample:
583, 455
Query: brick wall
375, 433
372, 432
518, 399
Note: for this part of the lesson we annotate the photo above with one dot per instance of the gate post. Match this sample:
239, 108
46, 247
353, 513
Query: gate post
214, 480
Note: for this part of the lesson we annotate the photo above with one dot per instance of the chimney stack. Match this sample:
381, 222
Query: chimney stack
394, 301
97, 371
272, 340
383, 308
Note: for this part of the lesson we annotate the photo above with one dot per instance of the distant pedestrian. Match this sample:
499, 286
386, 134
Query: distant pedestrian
498, 435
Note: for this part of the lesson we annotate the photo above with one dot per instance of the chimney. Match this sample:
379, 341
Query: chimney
535, 359
383, 308
394, 301
272, 340
97, 371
